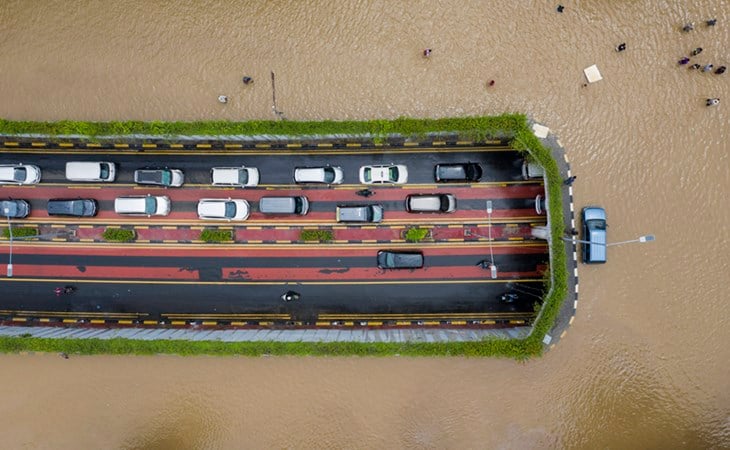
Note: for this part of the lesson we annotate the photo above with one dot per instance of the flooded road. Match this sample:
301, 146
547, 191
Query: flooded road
645, 363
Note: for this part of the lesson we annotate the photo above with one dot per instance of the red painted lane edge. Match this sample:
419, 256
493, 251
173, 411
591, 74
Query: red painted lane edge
278, 274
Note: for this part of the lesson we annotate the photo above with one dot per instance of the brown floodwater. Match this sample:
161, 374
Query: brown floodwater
644, 365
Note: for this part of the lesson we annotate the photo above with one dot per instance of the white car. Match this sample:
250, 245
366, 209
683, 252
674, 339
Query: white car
19, 174
391, 173
223, 209
235, 176
322, 175
142, 205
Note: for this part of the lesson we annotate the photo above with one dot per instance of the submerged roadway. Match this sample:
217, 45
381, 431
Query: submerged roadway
169, 276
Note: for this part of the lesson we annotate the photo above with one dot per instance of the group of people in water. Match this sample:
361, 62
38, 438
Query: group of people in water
706, 67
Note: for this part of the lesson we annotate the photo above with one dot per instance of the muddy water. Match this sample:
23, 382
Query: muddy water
645, 363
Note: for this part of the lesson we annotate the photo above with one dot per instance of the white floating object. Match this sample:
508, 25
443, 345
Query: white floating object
592, 74
540, 131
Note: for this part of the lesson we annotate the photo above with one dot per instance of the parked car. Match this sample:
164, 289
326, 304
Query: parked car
75, 207
532, 170
390, 173
19, 174
321, 175
142, 205
594, 233
284, 205
14, 209
459, 172
430, 203
223, 209
235, 176
91, 171
359, 213
401, 259
159, 177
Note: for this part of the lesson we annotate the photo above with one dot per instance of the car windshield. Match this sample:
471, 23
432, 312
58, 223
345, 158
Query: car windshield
329, 175
104, 171
597, 224
230, 210
368, 174
393, 173
150, 205
77, 207
243, 176
444, 203
165, 177
19, 174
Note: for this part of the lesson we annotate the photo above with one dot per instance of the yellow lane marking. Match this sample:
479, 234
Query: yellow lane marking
263, 146
38, 144
149, 145
293, 145
233, 146
175, 146
258, 244
324, 145
71, 313
414, 316
410, 144
121, 145
354, 144
226, 316
125, 322
65, 144
19, 319
150, 322
11, 144
93, 145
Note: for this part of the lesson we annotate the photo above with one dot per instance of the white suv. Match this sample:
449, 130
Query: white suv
19, 174
322, 175
142, 205
235, 176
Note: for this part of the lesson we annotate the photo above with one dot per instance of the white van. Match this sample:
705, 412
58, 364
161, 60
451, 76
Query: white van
93, 171
142, 205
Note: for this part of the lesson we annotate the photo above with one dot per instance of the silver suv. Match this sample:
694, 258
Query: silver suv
359, 213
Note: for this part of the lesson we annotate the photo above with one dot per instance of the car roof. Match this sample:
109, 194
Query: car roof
594, 213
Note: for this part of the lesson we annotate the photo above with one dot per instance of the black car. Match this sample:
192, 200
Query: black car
464, 172
75, 207
14, 209
390, 259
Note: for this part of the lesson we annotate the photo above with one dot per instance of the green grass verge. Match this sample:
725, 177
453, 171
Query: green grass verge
216, 235
20, 232
507, 348
118, 235
512, 126
316, 235
471, 127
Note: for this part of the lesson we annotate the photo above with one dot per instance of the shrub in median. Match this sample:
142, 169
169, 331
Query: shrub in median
119, 235
216, 235
316, 235
416, 234
20, 232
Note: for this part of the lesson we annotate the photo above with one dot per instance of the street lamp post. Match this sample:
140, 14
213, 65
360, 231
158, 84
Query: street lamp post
10, 232
492, 267
6, 211
640, 239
